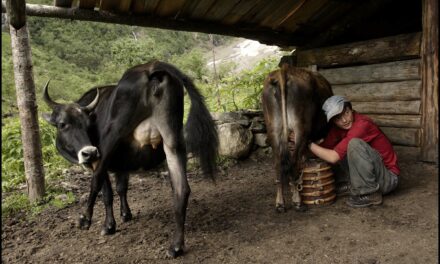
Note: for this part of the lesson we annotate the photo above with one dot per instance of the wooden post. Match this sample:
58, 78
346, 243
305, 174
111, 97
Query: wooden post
429, 74
26, 101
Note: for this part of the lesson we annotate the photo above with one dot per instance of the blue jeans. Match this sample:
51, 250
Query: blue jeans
364, 169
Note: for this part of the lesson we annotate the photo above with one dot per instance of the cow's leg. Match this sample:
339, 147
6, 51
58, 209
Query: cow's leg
98, 179
279, 201
297, 158
175, 155
109, 226
121, 189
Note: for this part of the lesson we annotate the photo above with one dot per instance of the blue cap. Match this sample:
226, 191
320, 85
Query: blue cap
334, 106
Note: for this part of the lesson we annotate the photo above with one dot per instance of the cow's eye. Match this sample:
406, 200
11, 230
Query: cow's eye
62, 125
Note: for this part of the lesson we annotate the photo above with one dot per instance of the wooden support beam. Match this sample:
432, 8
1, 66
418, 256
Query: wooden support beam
17, 13
381, 72
429, 73
393, 48
27, 107
269, 36
380, 92
401, 121
396, 107
405, 154
403, 136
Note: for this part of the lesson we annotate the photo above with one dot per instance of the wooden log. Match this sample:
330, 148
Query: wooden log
380, 92
396, 107
393, 48
383, 72
429, 72
412, 121
405, 153
402, 136
16, 13
27, 108
266, 36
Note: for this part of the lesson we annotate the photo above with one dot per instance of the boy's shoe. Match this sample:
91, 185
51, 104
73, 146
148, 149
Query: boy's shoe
365, 200
343, 189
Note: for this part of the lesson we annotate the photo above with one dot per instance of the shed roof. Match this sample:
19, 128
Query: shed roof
306, 23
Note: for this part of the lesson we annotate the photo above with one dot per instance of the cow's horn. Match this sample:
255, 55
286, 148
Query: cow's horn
93, 104
52, 104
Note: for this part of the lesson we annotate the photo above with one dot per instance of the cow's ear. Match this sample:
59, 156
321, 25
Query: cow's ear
48, 118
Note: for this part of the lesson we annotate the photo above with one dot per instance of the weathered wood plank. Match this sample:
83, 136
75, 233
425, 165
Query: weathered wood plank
202, 7
396, 107
283, 11
380, 92
336, 26
87, 4
109, 5
309, 8
382, 72
124, 6
240, 10
138, 6
265, 11
412, 121
268, 36
405, 153
429, 72
406, 46
169, 8
403, 136
220, 9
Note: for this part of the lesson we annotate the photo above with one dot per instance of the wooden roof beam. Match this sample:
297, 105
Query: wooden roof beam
269, 36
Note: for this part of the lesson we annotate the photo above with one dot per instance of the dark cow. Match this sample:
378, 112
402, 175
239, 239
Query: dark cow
136, 124
292, 100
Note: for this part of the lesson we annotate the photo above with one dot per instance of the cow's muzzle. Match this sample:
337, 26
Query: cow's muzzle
88, 154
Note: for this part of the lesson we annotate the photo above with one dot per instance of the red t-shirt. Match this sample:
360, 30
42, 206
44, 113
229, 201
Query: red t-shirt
362, 128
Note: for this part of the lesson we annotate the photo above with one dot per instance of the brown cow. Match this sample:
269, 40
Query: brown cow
292, 100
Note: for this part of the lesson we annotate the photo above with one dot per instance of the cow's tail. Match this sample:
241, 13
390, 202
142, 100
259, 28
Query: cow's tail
286, 161
201, 134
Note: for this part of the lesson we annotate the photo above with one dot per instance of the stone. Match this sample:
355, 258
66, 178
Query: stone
235, 141
260, 139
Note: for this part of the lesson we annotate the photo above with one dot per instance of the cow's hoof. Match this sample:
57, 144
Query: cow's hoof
125, 217
173, 252
84, 223
280, 209
300, 207
108, 230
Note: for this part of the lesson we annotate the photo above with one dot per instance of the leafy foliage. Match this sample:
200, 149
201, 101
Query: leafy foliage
12, 154
243, 91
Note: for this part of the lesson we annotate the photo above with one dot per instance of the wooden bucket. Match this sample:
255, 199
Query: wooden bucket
318, 184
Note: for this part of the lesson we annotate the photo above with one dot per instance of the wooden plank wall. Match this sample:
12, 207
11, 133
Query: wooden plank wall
389, 92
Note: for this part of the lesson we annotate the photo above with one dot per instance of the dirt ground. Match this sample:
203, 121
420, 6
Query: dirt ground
234, 221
